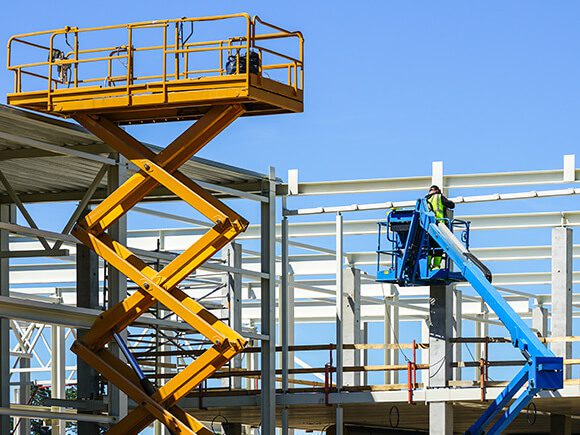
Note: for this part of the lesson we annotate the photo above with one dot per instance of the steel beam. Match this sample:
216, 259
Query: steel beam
45, 414
457, 200
73, 317
458, 181
369, 226
35, 253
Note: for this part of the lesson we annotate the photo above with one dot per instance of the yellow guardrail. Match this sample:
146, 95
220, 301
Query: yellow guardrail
65, 59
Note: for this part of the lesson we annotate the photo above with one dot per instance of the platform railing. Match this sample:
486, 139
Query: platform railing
409, 369
64, 64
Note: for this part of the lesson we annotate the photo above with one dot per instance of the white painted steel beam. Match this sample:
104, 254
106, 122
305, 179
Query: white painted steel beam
69, 316
457, 200
458, 181
369, 226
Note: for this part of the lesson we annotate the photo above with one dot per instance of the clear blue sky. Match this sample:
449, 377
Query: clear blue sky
390, 85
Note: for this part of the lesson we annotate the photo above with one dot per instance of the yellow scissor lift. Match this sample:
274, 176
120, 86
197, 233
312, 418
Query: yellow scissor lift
158, 71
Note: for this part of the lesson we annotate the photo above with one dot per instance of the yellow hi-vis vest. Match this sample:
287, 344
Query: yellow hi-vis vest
436, 205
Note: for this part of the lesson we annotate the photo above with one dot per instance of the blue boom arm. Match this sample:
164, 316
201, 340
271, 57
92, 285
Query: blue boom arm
542, 371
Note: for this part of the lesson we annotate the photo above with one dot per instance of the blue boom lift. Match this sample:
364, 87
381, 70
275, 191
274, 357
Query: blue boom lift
415, 236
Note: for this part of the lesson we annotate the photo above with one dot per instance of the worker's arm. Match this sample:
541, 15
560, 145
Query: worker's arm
447, 203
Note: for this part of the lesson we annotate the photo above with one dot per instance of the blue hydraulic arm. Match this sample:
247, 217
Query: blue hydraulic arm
542, 371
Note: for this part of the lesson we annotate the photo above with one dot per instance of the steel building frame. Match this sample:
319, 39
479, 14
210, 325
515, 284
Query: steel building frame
310, 278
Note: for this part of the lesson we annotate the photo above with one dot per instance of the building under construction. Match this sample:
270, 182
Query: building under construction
206, 322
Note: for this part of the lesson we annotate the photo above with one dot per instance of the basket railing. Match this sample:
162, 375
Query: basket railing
175, 57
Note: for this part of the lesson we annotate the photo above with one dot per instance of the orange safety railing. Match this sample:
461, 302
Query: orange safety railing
65, 59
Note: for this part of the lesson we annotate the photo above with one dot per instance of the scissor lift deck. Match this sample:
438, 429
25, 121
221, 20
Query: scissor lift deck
216, 93
105, 81
173, 100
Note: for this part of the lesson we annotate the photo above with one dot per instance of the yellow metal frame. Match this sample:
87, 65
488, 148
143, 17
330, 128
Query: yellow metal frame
73, 83
154, 286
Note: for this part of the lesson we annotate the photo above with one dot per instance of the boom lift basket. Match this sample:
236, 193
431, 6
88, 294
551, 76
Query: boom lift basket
417, 234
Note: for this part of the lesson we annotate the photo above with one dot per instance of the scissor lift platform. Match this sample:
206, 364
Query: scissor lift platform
102, 77
174, 100
172, 77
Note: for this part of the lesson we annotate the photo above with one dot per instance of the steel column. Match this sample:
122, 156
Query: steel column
562, 292
540, 320
232, 298
24, 394
7, 215
284, 315
339, 420
457, 330
365, 356
391, 333
481, 330
440, 418
440, 356
351, 323
339, 319
339, 304
291, 321
425, 329
117, 283
58, 372
268, 306
87, 297
437, 176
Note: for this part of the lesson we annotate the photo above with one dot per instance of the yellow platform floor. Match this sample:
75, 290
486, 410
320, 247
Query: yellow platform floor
166, 101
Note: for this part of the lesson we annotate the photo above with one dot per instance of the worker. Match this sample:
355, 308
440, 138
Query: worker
438, 204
